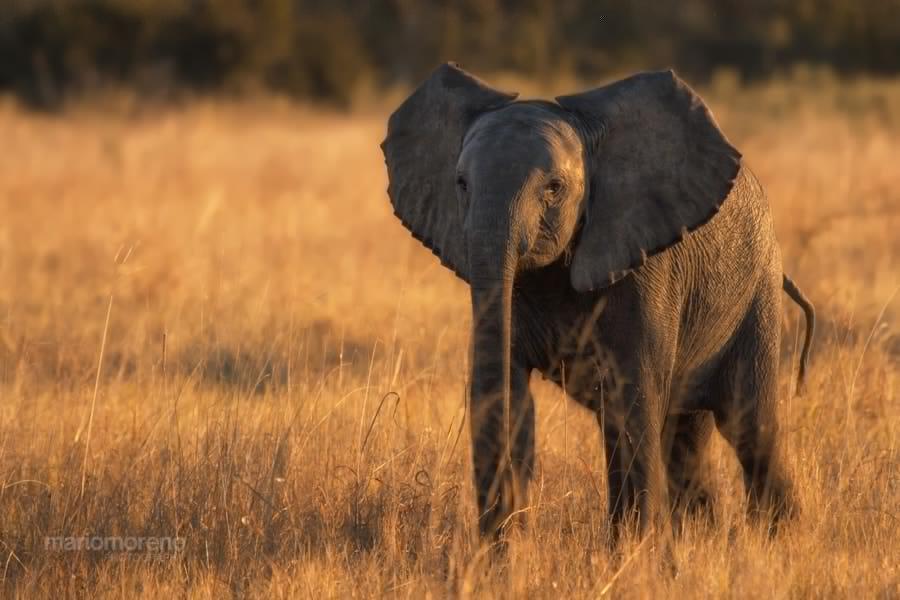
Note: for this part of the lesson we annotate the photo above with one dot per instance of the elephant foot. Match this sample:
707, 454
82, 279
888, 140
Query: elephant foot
626, 544
697, 506
773, 506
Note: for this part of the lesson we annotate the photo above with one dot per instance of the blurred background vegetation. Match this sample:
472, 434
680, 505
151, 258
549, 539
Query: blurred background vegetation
333, 50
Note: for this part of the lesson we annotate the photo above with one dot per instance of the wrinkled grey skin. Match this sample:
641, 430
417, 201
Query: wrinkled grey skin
614, 243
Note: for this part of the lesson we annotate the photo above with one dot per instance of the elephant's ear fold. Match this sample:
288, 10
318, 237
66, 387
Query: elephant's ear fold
421, 149
658, 165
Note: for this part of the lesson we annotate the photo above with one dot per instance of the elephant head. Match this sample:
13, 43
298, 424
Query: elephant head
604, 179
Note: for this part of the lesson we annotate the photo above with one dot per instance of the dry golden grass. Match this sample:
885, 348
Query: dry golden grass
282, 381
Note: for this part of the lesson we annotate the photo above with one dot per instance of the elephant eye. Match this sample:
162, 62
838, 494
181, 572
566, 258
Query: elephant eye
554, 187
461, 184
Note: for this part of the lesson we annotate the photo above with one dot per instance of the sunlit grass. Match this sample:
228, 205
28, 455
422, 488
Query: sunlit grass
283, 379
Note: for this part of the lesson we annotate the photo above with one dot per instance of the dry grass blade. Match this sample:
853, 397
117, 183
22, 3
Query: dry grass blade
90, 423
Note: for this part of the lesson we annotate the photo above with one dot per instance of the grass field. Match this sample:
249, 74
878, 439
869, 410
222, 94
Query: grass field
213, 329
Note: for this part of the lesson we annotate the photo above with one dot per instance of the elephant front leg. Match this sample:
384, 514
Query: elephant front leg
635, 470
501, 481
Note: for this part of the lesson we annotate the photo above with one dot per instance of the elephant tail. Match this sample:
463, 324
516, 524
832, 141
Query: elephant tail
810, 313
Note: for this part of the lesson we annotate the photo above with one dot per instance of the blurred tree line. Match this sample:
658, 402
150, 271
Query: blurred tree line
326, 50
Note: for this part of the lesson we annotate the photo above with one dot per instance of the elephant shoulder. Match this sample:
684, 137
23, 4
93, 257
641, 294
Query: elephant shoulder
744, 221
747, 197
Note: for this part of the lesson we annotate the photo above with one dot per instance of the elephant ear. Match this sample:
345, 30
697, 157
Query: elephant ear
659, 167
421, 149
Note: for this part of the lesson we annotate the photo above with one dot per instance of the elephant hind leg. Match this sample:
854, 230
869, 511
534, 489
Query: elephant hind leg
744, 409
687, 437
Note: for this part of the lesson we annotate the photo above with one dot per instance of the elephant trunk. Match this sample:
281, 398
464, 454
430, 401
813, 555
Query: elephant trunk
493, 267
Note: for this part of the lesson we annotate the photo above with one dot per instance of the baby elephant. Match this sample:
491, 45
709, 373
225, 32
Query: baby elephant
615, 242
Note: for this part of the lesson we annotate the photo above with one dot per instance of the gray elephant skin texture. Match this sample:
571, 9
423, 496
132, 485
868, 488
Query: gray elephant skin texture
614, 242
